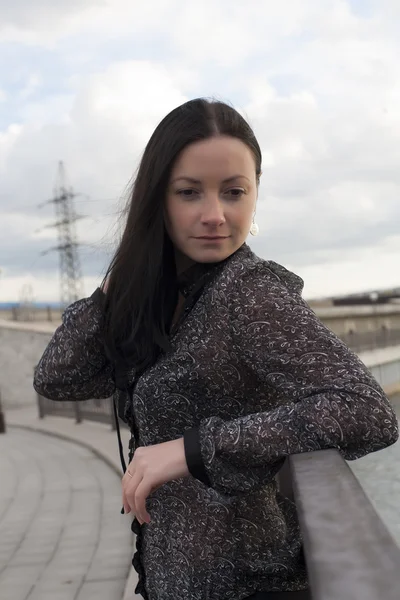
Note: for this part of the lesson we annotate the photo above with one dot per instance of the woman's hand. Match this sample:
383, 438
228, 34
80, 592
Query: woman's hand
150, 467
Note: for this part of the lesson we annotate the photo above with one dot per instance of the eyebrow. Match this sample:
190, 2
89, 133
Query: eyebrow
197, 181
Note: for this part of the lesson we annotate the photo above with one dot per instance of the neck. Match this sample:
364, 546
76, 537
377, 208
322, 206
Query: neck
182, 262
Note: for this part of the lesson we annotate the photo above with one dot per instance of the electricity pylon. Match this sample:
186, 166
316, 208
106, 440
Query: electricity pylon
71, 285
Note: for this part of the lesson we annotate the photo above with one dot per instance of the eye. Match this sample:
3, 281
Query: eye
187, 193
235, 193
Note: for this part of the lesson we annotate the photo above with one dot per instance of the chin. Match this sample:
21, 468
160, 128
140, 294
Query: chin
211, 255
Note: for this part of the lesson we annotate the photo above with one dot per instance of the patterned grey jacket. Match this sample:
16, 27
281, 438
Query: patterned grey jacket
252, 376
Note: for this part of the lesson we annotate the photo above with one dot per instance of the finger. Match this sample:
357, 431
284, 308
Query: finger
125, 504
129, 473
143, 491
130, 491
124, 483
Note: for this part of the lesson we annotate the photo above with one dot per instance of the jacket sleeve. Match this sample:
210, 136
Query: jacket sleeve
327, 396
74, 365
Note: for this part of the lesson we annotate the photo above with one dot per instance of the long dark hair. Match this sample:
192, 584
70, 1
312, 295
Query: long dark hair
142, 286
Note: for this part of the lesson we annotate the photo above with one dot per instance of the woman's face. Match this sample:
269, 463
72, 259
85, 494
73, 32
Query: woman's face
211, 198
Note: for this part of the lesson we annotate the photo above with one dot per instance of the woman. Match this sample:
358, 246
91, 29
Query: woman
222, 370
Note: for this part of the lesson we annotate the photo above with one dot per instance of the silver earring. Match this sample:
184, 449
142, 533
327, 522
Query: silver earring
254, 229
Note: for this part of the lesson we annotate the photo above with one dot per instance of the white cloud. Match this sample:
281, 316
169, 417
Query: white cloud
223, 31
99, 139
32, 84
39, 22
373, 269
45, 22
319, 84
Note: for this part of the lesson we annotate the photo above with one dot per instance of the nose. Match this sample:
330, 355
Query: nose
213, 212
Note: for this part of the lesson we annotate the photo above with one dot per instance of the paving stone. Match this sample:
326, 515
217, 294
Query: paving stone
15, 584
56, 591
102, 590
23, 559
61, 534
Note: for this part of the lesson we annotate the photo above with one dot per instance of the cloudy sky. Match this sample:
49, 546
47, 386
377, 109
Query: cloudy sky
86, 82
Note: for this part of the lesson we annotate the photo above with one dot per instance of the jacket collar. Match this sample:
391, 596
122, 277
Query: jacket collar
196, 276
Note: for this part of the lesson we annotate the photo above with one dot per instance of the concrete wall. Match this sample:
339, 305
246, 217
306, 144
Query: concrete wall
20, 350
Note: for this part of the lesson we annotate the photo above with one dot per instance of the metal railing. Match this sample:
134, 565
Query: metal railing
90, 410
360, 341
349, 552
31, 313
2, 418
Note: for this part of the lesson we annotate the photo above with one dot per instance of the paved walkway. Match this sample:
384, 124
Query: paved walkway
62, 536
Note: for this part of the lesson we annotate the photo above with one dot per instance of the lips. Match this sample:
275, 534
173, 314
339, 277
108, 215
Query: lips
212, 238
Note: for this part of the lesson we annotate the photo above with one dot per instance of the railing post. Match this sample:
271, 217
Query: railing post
78, 416
113, 423
39, 399
2, 419
41, 408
